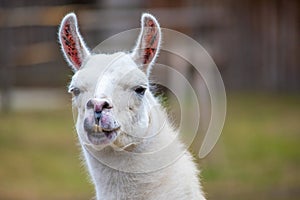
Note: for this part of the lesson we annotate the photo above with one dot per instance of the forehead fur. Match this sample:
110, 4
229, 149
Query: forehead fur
108, 68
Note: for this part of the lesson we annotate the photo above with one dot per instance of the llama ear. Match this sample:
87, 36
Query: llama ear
72, 44
148, 43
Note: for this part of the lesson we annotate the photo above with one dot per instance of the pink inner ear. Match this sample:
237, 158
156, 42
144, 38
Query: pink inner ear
151, 40
148, 55
69, 44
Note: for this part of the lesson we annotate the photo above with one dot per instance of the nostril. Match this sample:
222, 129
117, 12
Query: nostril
106, 105
90, 104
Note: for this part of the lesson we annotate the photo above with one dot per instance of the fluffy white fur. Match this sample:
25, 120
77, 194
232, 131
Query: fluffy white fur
145, 160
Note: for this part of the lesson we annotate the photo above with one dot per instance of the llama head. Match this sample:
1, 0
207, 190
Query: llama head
111, 92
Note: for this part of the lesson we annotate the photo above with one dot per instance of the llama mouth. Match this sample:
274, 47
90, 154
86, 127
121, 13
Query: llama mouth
101, 136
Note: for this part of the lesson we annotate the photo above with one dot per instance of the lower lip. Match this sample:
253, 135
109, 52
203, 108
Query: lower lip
101, 138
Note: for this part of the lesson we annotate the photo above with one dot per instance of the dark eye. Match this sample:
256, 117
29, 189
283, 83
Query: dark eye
75, 91
140, 90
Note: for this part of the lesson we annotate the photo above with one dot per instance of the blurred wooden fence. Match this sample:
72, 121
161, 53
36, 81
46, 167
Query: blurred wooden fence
255, 44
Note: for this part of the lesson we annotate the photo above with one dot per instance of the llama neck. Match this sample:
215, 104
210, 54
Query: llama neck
111, 184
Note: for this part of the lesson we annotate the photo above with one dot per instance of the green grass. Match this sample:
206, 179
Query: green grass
257, 156
39, 157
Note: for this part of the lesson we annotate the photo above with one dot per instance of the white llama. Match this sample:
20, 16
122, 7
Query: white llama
130, 148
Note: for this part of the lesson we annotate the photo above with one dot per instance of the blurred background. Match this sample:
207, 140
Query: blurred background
255, 44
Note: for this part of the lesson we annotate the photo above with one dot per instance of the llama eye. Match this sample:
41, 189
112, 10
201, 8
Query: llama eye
75, 91
140, 90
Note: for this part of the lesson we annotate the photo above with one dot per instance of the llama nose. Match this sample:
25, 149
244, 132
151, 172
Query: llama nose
98, 105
